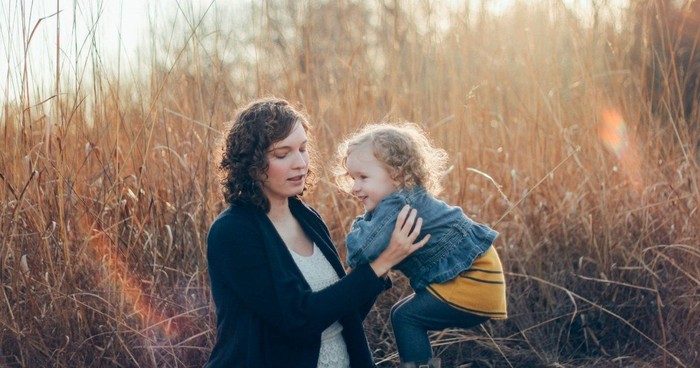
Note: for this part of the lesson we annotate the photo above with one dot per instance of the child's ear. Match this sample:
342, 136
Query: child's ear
395, 175
396, 181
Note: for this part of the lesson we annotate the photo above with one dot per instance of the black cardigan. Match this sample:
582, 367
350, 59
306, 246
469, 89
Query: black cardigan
267, 315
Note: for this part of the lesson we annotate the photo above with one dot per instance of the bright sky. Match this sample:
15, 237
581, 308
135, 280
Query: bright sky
121, 25
115, 26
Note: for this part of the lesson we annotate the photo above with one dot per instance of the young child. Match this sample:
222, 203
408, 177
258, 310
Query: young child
457, 276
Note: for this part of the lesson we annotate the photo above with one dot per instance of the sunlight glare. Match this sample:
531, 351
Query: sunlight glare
127, 287
616, 138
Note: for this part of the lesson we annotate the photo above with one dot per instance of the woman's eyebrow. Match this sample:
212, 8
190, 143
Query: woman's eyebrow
285, 147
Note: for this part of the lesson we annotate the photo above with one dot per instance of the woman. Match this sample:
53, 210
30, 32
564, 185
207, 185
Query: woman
282, 297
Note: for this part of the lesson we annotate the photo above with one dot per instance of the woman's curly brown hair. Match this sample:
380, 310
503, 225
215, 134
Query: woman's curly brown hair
243, 162
404, 149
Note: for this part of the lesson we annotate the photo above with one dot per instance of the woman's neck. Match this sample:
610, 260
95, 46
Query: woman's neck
279, 210
290, 230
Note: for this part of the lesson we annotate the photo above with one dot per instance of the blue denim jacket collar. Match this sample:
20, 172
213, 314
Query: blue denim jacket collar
406, 196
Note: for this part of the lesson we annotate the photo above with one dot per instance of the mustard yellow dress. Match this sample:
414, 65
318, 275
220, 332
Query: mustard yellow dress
480, 290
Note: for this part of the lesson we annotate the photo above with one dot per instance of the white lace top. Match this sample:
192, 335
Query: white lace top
319, 273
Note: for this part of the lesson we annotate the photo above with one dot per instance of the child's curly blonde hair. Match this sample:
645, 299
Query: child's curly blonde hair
404, 149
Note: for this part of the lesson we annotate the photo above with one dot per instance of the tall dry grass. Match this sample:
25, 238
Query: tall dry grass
558, 136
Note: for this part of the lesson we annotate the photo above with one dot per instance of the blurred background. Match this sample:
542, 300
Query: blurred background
573, 129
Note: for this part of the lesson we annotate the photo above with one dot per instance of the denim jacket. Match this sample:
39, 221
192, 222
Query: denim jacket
455, 240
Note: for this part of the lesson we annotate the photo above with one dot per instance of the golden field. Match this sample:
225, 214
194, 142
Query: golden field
577, 139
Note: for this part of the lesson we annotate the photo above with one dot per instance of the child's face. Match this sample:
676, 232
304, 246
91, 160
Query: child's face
372, 181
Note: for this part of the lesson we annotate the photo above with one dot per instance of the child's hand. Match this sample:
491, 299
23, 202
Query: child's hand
402, 241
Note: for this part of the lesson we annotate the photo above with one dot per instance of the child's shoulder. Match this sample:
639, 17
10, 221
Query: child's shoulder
414, 193
415, 197
398, 198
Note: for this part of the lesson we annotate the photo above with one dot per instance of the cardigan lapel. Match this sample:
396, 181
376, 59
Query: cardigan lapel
281, 260
315, 228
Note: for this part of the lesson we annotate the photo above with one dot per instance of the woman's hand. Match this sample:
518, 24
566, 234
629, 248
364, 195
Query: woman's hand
402, 241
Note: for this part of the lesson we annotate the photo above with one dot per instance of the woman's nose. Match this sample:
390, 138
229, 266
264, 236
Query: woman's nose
300, 159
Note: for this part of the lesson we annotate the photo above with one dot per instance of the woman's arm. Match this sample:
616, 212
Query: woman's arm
242, 268
239, 264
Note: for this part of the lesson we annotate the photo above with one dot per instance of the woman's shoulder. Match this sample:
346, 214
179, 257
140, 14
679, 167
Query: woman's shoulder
233, 226
234, 211
233, 216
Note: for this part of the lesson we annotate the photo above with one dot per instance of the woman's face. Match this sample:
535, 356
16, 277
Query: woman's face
288, 165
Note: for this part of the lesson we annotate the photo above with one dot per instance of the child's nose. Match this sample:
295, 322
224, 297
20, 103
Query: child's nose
355, 186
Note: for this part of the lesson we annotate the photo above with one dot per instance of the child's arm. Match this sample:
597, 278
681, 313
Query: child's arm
368, 238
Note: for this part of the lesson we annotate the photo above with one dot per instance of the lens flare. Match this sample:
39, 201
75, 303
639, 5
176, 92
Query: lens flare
129, 290
616, 138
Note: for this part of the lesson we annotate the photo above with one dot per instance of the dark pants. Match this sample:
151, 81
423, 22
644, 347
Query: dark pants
413, 316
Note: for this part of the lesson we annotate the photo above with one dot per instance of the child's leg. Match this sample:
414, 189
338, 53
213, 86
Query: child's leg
412, 317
